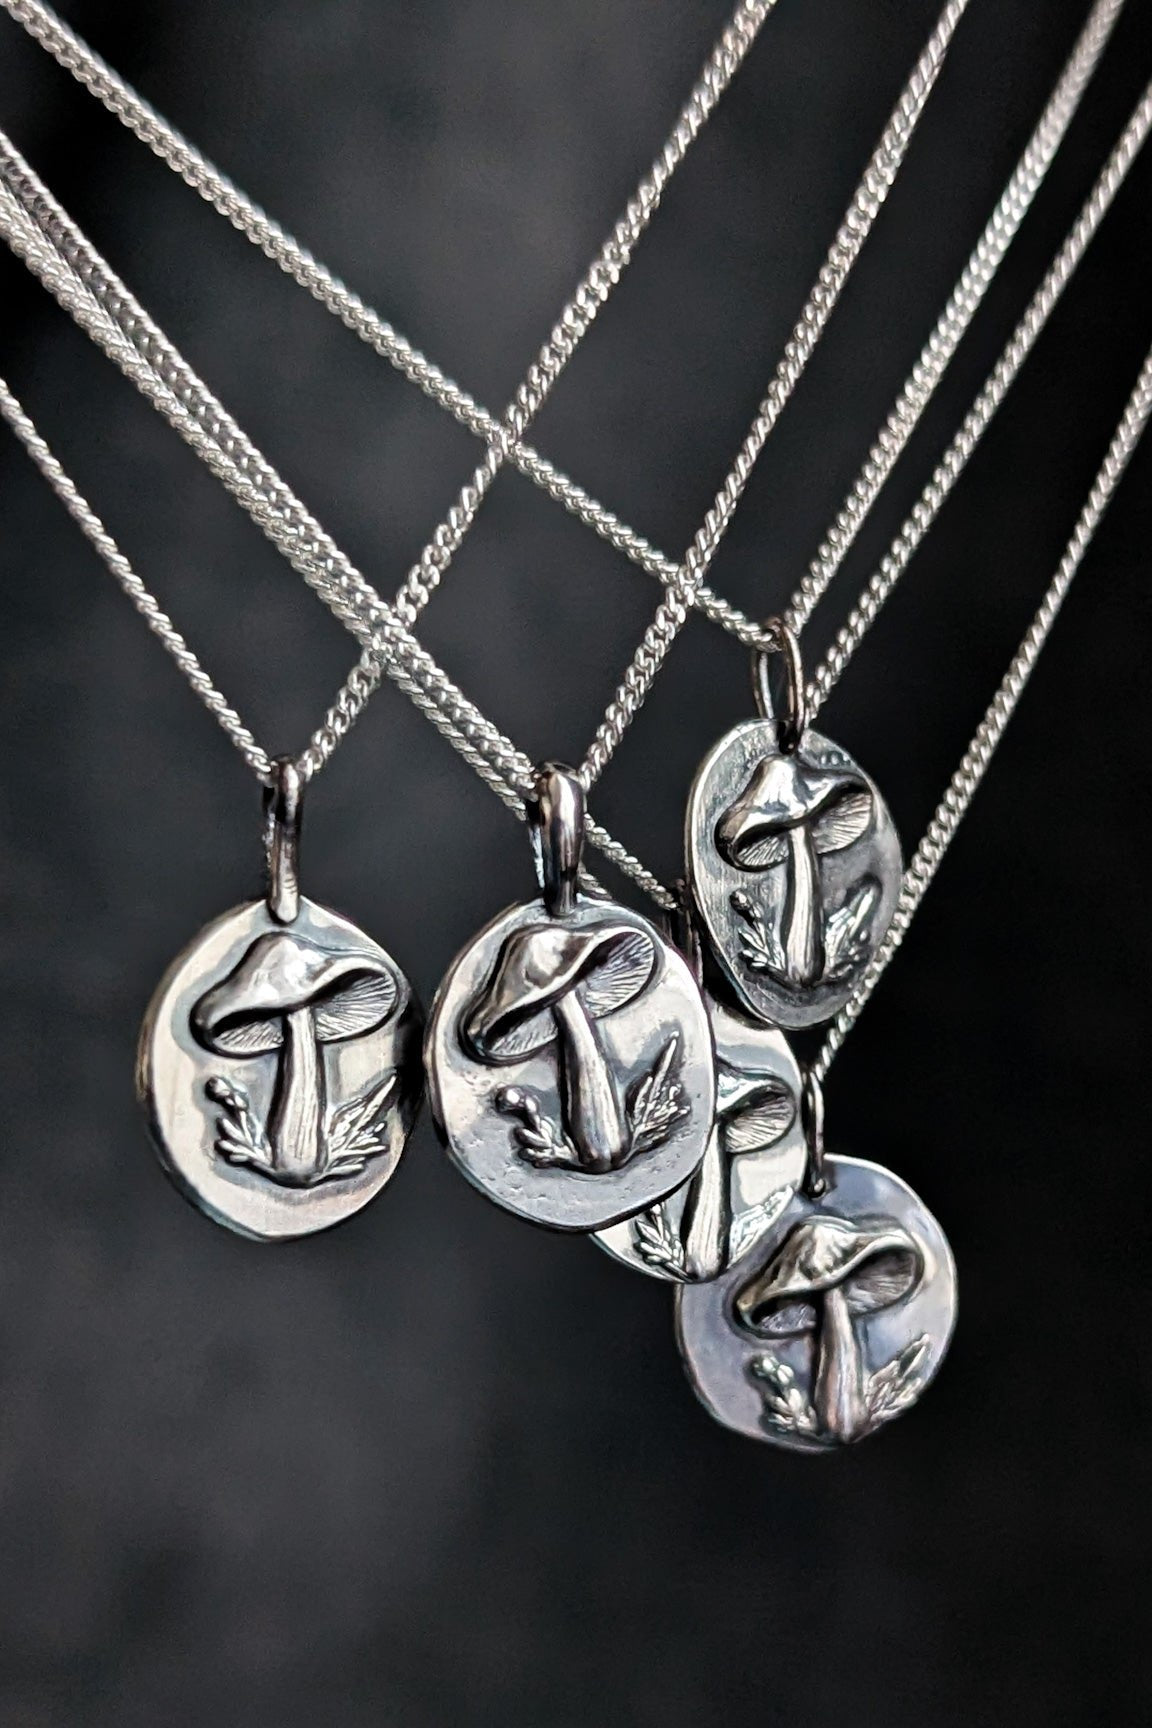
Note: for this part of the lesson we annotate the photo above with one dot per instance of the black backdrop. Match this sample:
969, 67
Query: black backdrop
438, 1468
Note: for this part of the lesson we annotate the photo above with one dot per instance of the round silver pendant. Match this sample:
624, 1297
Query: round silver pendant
570, 1064
837, 1322
755, 1159
795, 869
279, 1064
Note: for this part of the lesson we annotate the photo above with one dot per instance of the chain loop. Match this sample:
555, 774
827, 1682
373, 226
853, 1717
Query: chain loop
792, 719
283, 813
42, 234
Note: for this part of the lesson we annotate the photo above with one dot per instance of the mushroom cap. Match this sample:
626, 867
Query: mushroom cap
785, 792
874, 1261
758, 1118
349, 991
608, 963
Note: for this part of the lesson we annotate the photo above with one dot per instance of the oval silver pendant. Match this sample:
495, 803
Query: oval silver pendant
755, 1160
279, 1060
569, 1055
836, 1324
795, 868
280, 1069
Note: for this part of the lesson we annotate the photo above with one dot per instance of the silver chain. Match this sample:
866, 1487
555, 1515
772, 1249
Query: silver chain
674, 608
95, 290
141, 597
91, 292
962, 786
85, 285
119, 98
952, 464
963, 303
846, 247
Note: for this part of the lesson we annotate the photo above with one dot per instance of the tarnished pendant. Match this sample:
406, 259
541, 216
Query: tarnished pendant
835, 1324
793, 861
569, 1056
755, 1158
279, 1060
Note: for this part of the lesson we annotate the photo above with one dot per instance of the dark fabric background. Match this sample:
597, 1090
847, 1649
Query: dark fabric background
438, 1469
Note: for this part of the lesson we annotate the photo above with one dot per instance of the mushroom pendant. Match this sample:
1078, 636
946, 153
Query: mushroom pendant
793, 860
569, 1056
279, 1060
755, 1160
836, 1323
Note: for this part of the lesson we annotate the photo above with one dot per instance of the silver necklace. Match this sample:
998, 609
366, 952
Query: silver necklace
840, 1314
42, 234
74, 55
279, 1058
805, 938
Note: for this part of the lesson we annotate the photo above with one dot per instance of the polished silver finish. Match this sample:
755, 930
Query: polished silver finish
791, 714
570, 1064
41, 233
847, 244
795, 868
182, 156
283, 812
83, 283
558, 818
280, 1069
384, 630
834, 1325
755, 1159
569, 1055
99, 301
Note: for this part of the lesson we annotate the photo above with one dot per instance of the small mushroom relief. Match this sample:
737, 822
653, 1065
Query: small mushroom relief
287, 998
550, 986
795, 868
755, 1158
570, 1066
835, 1325
280, 1066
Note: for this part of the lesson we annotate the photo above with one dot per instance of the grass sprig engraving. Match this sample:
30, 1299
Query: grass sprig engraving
656, 1102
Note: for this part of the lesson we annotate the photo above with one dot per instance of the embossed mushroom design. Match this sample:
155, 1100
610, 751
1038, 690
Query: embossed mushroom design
752, 1116
828, 1272
551, 984
793, 811
287, 995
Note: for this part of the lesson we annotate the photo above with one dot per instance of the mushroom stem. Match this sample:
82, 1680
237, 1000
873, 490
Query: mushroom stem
803, 909
592, 1113
294, 1126
707, 1215
838, 1395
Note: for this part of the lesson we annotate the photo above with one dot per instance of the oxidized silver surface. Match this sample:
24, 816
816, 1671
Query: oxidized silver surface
755, 1159
570, 1064
280, 1067
834, 1325
794, 866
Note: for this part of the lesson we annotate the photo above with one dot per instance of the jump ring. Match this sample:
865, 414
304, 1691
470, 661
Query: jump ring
792, 722
556, 815
283, 812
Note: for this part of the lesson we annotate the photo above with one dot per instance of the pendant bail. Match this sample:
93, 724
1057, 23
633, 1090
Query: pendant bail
792, 717
812, 1122
283, 812
556, 815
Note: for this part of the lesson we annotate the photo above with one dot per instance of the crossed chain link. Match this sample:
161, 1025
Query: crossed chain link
151, 129
98, 280
43, 235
